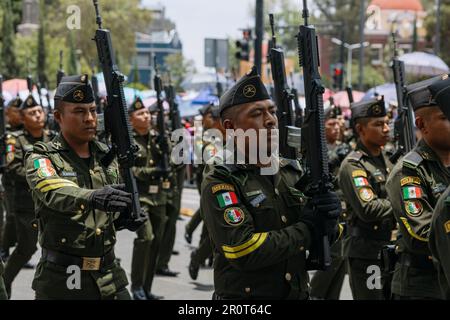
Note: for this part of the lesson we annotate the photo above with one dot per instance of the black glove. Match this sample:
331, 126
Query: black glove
322, 212
111, 199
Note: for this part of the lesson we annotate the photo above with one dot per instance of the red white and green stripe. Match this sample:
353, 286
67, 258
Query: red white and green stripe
42, 163
360, 182
227, 199
412, 193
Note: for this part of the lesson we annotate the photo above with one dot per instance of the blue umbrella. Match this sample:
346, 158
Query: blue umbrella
387, 90
205, 96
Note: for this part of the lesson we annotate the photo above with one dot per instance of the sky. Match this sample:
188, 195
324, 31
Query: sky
200, 19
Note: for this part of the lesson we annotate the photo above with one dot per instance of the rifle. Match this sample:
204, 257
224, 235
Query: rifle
60, 74
313, 134
298, 109
350, 94
2, 128
118, 125
282, 95
51, 122
38, 88
403, 126
98, 104
162, 139
171, 100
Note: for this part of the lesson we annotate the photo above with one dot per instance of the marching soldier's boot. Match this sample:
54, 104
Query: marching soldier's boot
167, 243
139, 265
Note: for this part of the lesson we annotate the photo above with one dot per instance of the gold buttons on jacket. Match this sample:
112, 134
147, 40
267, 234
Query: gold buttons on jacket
63, 240
284, 219
35, 225
375, 227
98, 231
82, 207
302, 248
247, 290
288, 277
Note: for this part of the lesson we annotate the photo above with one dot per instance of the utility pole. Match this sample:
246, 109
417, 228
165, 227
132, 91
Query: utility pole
361, 42
437, 40
259, 32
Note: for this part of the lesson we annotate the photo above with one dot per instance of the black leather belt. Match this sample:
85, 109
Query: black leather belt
416, 261
381, 234
85, 263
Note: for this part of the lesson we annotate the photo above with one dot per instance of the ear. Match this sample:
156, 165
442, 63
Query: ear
228, 124
358, 128
419, 123
57, 114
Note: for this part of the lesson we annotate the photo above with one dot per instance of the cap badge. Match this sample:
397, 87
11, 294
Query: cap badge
249, 91
78, 95
29, 101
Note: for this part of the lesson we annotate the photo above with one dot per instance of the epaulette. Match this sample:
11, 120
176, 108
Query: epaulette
17, 133
101, 146
412, 160
226, 169
355, 156
41, 147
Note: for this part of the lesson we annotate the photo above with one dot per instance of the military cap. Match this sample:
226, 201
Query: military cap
419, 93
29, 102
15, 103
154, 107
136, 105
75, 89
249, 88
440, 91
371, 108
332, 112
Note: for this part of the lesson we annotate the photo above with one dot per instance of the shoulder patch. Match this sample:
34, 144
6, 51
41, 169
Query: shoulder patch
360, 182
366, 194
9, 157
447, 226
226, 199
359, 173
355, 156
409, 180
234, 216
222, 187
412, 192
413, 208
11, 140
412, 160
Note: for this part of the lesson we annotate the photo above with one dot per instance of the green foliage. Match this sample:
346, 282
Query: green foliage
7, 57
179, 68
137, 85
430, 25
41, 54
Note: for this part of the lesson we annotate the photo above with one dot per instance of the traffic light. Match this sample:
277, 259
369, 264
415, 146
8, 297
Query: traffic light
338, 76
243, 46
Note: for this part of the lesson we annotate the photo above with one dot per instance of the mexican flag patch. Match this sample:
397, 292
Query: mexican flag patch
360, 182
227, 199
42, 163
234, 216
412, 193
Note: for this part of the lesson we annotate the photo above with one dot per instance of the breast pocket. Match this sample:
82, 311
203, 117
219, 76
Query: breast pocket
65, 236
263, 210
294, 200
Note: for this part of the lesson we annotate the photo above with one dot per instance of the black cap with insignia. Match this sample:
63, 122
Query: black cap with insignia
75, 89
332, 112
419, 93
249, 88
14, 103
29, 102
440, 91
372, 108
136, 105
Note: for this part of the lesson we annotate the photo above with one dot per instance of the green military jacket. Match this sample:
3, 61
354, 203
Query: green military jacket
362, 179
439, 241
253, 221
18, 144
415, 186
152, 191
61, 184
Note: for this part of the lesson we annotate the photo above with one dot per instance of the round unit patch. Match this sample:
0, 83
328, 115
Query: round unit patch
46, 172
249, 91
234, 216
365, 194
413, 208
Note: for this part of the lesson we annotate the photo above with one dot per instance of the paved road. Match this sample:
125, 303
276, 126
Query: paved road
179, 288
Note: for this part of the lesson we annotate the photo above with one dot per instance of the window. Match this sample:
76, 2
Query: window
376, 53
143, 60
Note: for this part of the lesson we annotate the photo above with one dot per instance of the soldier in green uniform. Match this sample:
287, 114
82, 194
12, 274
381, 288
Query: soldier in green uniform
210, 150
147, 174
77, 201
328, 284
439, 240
14, 123
415, 185
167, 201
362, 179
259, 224
22, 141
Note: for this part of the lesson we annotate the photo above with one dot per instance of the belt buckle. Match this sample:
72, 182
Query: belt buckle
166, 185
91, 264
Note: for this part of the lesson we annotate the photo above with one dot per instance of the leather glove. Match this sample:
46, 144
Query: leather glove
111, 199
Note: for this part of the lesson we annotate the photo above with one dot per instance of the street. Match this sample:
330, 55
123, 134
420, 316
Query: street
179, 288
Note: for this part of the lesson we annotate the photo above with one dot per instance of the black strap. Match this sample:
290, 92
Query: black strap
66, 260
380, 234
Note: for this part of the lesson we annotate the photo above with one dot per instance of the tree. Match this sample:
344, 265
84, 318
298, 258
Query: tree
179, 68
73, 64
8, 57
42, 77
430, 25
